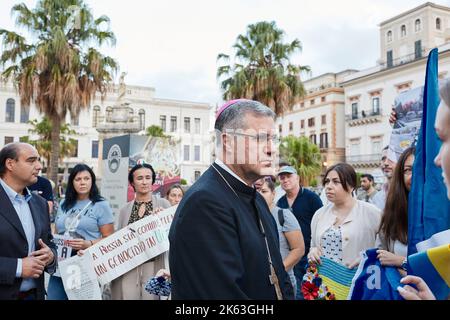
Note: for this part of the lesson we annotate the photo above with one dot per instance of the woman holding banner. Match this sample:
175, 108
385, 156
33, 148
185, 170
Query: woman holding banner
84, 217
131, 286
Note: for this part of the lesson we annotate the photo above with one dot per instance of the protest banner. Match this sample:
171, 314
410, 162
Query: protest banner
131, 246
119, 253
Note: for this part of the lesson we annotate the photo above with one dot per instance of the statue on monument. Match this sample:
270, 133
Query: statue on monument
122, 86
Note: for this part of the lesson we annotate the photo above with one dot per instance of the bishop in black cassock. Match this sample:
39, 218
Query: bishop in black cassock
217, 247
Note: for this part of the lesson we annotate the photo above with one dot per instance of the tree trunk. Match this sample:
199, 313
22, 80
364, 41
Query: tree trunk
54, 157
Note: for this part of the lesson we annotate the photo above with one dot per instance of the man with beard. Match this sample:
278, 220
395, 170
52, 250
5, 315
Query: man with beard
387, 167
369, 190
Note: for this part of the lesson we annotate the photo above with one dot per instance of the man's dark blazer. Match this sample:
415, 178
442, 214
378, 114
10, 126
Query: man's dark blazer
14, 245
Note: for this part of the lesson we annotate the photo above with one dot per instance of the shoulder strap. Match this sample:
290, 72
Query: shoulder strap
281, 217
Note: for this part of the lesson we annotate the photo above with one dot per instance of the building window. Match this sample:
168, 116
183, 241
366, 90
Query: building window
197, 125
389, 59
302, 124
74, 154
186, 153
354, 149
324, 140
323, 99
302, 105
418, 49
280, 128
438, 23
376, 106
355, 110
9, 140
162, 120
417, 25
324, 119
94, 149
403, 31
173, 124
291, 126
312, 138
109, 112
75, 121
389, 36
311, 122
95, 115
376, 147
197, 175
142, 119
196, 153
187, 125
311, 102
24, 113
10, 110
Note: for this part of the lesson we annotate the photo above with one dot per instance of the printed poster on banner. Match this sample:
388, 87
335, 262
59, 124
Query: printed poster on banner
409, 108
63, 250
79, 279
163, 154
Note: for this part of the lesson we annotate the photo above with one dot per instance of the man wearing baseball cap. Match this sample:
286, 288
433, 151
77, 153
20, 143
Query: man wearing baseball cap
303, 203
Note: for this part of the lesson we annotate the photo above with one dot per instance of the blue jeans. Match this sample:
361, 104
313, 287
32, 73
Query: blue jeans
299, 272
55, 290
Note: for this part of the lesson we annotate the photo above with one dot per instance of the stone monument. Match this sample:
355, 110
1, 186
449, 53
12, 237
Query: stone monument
121, 122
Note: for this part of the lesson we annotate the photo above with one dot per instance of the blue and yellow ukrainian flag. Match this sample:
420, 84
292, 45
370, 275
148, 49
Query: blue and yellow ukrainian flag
336, 277
433, 266
428, 206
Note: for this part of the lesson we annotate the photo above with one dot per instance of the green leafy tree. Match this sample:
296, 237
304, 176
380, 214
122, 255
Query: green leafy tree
56, 67
155, 131
303, 155
262, 69
43, 144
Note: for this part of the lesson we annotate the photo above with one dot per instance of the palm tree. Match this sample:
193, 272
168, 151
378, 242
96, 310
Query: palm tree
57, 69
303, 155
155, 131
43, 144
262, 69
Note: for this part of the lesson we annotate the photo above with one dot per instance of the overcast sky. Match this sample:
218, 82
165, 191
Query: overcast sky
172, 45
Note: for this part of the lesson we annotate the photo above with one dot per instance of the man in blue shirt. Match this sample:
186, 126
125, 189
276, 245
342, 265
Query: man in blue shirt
303, 203
43, 187
26, 242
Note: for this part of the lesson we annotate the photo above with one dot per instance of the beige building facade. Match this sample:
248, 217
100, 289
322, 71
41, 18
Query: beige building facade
370, 94
320, 116
188, 122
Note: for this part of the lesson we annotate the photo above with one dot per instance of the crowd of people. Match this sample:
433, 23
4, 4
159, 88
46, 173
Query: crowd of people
235, 234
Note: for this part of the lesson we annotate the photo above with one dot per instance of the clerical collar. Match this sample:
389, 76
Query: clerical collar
227, 169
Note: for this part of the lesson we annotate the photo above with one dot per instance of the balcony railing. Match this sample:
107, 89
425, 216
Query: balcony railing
364, 160
365, 117
404, 59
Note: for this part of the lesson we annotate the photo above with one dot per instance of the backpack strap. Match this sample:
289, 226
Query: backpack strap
281, 217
